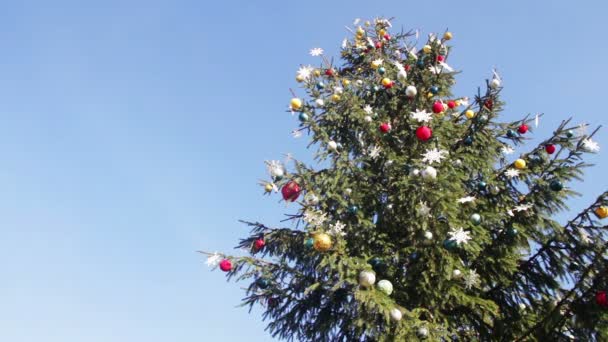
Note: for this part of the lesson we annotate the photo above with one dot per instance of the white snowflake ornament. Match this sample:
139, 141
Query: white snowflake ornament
460, 236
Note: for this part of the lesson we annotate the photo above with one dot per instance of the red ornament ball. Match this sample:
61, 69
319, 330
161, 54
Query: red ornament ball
259, 244
385, 127
378, 45
489, 104
440, 58
451, 104
437, 107
291, 191
523, 129
407, 67
550, 148
387, 36
329, 72
225, 265
601, 298
424, 133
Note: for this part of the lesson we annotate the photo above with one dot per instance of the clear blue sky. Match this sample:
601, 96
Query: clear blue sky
133, 133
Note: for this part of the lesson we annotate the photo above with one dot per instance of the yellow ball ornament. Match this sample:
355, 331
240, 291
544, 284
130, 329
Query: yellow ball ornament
601, 212
268, 187
296, 103
469, 114
376, 64
426, 49
447, 36
345, 82
299, 78
317, 72
386, 81
322, 242
381, 32
335, 97
520, 164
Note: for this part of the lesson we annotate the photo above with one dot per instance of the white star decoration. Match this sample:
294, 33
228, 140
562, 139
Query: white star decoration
471, 279
591, 145
506, 149
213, 260
275, 168
337, 229
511, 173
466, 199
459, 235
316, 52
523, 207
305, 71
368, 109
314, 218
423, 209
422, 116
374, 152
434, 156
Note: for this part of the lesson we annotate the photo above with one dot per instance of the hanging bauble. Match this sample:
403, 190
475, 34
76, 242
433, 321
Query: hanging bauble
385, 127
309, 242
520, 164
335, 97
450, 244
295, 104
511, 232
291, 191
345, 82
319, 103
468, 141
422, 332
428, 235
550, 148
385, 287
367, 118
511, 133
426, 49
483, 118
601, 212
402, 75
303, 117
268, 187
437, 107
300, 78
329, 72
262, 283
259, 244
495, 83
522, 129
488, 104
569, 134
435, 90
556, 185
387, 83
420, 63
601, 298
447, 35
535, 159
396, 314
381, 70
225, 265
411, 91
367, 278
424, 133
317, 72
475, 219
456, 274
451, 104
378, 45
376, 64
429, 172
494, 190
332, 145
481, 185
322, 242
378, 264
414, 172
353, 209
320, 85
440, 58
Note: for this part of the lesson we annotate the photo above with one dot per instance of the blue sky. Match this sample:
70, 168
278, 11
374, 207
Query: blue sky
133, 133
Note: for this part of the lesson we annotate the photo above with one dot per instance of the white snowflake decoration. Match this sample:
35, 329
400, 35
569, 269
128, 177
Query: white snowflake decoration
506, 149
378, 61
466, 199
314, 218
591, 145
214, 259
434, 156
440, 68
275, 168
422, 116
511, 173
337, 229
523, 207
471, 279
368, 109
459, 236
311, 199
316, 52
305, 71
464, 101
374, 152
423, 209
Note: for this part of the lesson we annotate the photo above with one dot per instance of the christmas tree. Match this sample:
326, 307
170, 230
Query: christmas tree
416, 223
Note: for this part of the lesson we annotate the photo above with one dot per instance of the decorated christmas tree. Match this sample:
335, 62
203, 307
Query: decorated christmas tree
417, 222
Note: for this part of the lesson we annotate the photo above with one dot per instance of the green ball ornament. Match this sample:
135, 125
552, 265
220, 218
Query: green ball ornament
385, 287
569, 134
450, 245
381, 70
353, 209
494, 190
309, 242
556, 185
475, 219
482, 185
512, 232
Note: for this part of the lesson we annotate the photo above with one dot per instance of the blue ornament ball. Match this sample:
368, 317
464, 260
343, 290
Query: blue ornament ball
320, 85
434, 89
468, 141
381, 70
303, 117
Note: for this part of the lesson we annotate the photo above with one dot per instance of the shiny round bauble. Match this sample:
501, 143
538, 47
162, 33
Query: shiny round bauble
511, 133
375, 87
429, 172
440, 58
483, 118
268, 187
428, 235
385, 287
495, 83
601, 298
262, 283
424, 133
376, 64
378, 264
447, 35
345, 82
556, 185
411, 91
387, 83
601, 212
427, 49
520, 164
494, 190
386, 36
319, 103
300, 78
360, 31
414, 172
396, 314
353, 210
422, 332
569, 134
511, 232
482, 185
320, 85
367, 278
291, 191
381, 70
322, 242
226, 265
329, 72
420, 63
385, 127
450, 244
437, 107
435, 90
259, 244
523, 129
317, 72
378, 45
401, 75
550, 148
456, 274
468, 141
335, 97
368, 118
475, 219
303, 117
309, 243
451, 104
295, 104
332, 145
488, 104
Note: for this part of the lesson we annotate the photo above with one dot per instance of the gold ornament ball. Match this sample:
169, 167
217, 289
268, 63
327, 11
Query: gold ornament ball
268, 187
317, 72
376, 64
458, 102
299, 78
367, 23
469, 114
386, 81
520, 164
601, 212
322, 242
345, 82
426, 49
296, 103
447, 35
381, 32
335, 97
